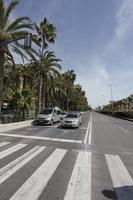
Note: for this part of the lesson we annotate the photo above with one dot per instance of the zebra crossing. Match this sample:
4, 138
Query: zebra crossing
41, 164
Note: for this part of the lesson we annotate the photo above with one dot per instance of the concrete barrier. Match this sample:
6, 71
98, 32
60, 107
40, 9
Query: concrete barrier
16, 125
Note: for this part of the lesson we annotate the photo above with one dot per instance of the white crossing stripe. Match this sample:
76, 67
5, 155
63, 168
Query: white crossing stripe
79, 187
122, 181
41, 138
4, 144
124, 129
15, 165
34, 186
11, 150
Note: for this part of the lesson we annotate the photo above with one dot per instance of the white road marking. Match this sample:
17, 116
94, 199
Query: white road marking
4, 144
88, 135
70, 131
87, 131
90, 131
122, 181
124, 129
79, 187
82, 128
11, 150
34, 186
41, 138
15, 165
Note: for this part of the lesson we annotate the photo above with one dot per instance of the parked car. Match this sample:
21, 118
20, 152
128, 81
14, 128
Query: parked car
63, 114
71, 120
48, 116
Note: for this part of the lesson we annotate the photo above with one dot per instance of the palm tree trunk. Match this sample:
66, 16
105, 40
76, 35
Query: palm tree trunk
46, 97
43, 96
67, 101
1, 79
38, 98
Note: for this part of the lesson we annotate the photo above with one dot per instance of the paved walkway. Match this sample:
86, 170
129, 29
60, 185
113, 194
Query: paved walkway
16, 125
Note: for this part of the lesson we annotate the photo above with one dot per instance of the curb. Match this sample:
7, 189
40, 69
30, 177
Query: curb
16, 125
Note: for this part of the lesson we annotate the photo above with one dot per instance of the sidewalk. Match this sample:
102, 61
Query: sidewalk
16, 125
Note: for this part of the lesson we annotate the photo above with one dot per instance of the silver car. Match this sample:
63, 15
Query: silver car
71, 120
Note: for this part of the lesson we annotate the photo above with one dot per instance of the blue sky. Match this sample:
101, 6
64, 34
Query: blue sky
95, 38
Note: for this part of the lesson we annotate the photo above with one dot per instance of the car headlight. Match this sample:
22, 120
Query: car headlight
48, 118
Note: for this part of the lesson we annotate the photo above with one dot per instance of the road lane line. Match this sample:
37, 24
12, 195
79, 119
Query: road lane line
41, 138
15, 165
4, 144
83, 128
90, 131
79, 187
34, 186
122, 181
11, 150
87, 131
124, 129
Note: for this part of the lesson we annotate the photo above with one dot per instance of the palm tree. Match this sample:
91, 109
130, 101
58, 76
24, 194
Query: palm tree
45, 33
69, 78
46, 65
8, 31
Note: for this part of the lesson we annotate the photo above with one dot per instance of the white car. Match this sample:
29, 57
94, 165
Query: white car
48, 116
71, 120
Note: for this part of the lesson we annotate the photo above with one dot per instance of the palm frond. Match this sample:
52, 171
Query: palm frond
56, 65
2, 13
35, 40
37, 29
12, 59
51, 60
33, 51
19, 52
56, 70
49, 54
32, 56
22, 26
17, 22
9, 9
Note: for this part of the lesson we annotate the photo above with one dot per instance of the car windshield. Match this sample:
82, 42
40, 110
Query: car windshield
72, 115
46, 111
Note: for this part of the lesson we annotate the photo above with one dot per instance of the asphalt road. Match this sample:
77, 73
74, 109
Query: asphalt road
93, 162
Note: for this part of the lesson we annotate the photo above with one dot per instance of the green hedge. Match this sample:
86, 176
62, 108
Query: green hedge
123, 114
119, 114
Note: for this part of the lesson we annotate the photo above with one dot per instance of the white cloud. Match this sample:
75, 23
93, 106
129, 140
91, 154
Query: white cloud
102, 72
124, 18
94, 80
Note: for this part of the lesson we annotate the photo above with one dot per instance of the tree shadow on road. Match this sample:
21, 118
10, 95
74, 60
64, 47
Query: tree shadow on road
125, 192
109, 194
